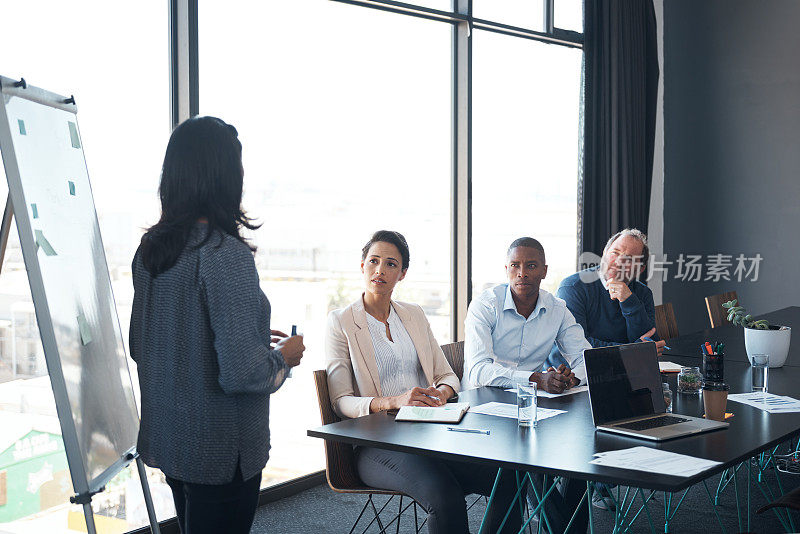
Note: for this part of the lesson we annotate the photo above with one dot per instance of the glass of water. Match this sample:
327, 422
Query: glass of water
526, 404
760, 372
667, 396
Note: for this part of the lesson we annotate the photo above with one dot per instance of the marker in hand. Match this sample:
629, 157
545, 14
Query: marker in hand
294, 333
653, 340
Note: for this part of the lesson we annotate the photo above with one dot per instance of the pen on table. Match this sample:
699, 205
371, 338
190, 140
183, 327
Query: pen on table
468, 430
653, 340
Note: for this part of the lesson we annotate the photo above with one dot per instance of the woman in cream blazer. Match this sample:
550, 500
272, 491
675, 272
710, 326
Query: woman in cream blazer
353, 376
381, 355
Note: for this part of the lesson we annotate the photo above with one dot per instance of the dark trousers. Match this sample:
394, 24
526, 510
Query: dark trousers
560, 505
203, 508
440, 486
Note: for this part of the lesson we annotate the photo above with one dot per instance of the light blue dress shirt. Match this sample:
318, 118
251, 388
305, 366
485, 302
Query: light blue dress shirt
503, 348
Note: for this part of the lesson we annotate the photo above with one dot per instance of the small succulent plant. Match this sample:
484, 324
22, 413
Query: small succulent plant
738, 315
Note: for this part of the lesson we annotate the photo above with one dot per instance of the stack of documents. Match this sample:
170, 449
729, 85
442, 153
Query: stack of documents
449, 413
501, 409
769, 402
654, 461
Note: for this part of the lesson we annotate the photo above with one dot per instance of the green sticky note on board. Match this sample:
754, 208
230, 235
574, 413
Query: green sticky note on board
43, 243
72, 188
22, 130
35, 211
73, 135
86, 333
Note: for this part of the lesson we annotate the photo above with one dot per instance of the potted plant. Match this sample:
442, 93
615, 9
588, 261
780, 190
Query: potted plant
760, 337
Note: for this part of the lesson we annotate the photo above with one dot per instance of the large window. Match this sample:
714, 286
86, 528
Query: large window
525, 154
119, 76
352, 120
521, 13
568, 15
345, 126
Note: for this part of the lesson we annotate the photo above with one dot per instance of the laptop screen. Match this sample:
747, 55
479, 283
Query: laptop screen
624, 382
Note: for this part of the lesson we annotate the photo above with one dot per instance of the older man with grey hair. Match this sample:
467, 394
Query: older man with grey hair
608, 300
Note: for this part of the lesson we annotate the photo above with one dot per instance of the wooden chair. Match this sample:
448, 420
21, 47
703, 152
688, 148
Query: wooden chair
454, 353
666, 325
340, 466
716, 313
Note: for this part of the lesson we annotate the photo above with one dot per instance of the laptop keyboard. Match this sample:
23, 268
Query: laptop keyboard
654, 422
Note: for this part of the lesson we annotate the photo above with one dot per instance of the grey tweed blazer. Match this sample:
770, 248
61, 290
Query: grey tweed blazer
200, 337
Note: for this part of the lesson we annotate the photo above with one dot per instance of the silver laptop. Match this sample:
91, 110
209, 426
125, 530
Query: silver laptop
626, 395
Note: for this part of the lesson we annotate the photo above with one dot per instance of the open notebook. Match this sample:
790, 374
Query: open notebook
669, 367
449, 413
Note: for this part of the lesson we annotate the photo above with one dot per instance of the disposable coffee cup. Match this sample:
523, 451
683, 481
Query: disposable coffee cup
715, 399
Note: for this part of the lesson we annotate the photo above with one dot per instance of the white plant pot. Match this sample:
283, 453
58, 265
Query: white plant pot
775, 343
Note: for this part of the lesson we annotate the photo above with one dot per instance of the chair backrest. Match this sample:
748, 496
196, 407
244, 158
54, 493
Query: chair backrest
787, 500
666, 325
454, 353
716, 313
340, 465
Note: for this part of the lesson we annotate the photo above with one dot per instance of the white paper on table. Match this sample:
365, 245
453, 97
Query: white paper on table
570, 391
769, 402
654, 461
669, 367
546, 395
502, 409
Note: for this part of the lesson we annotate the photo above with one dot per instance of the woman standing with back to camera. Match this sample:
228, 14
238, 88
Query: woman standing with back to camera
201, 338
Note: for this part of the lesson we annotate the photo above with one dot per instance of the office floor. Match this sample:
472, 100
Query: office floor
322, 510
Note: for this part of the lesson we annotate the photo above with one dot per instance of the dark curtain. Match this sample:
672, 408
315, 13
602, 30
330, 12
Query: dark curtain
619, 122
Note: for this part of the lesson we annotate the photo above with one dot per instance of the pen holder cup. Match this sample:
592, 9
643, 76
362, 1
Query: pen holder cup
713, 367
715, 400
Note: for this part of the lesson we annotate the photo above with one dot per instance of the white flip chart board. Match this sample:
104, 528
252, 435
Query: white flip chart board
60, 237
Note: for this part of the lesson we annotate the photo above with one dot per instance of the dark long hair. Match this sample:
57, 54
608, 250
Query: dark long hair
201, 177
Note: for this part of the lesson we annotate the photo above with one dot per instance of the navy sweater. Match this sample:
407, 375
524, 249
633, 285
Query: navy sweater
605, 321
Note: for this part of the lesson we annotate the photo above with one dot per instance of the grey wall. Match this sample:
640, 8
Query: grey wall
732, 146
